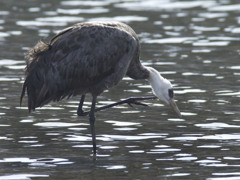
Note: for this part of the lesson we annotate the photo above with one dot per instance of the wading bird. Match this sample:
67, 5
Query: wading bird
86, 58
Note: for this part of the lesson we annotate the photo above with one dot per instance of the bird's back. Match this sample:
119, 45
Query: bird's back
84, 58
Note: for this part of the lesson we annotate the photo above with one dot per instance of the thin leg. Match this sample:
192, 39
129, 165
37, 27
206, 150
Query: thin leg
80, 111
92, 122
129, 101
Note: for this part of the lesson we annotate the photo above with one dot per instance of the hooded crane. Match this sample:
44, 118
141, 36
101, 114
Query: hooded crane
86, 58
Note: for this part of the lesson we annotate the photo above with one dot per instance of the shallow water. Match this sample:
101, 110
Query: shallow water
195, 44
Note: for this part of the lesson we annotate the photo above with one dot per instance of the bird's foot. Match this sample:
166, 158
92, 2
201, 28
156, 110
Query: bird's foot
131, 101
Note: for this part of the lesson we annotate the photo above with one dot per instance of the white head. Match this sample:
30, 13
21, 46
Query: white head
162, 88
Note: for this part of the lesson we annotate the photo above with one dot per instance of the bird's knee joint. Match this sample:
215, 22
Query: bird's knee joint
82, 113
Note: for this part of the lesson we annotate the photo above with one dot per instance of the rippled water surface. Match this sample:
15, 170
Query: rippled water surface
195, 44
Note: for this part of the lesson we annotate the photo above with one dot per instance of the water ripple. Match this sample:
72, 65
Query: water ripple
88, 3
216, 125
57, 124
170, 40
95, 10
120, 18
195, 44
154, 5
38, 23
122, 123
224, 8
213, 43
22, 176
59, 19
133, 138
211, 15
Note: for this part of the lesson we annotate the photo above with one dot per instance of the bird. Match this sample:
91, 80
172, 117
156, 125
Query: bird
88, 58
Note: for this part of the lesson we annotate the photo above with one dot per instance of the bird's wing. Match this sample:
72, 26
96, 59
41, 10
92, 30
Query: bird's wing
84, 58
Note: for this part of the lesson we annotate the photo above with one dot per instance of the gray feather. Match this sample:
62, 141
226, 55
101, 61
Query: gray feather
84, 58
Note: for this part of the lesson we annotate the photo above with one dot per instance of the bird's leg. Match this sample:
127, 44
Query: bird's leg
92, 122
80, 111
129, 101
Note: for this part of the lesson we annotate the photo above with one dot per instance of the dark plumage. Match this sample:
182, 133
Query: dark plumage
84, 58
88, 58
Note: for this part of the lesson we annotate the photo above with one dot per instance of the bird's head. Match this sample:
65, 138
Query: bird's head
162, 88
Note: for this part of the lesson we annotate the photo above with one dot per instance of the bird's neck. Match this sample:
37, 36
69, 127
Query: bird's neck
154, 76
157, 82
137, 71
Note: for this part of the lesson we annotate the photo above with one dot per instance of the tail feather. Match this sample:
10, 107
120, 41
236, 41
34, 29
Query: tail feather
35, 76
43, 80
22, 93
31, 93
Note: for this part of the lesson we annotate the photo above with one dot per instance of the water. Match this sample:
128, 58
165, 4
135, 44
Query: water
195, 44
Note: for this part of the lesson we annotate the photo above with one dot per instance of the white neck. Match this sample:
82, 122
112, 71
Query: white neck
161, 88
159, 84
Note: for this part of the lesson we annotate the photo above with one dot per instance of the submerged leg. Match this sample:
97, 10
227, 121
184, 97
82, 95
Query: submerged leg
92, 123
80, 111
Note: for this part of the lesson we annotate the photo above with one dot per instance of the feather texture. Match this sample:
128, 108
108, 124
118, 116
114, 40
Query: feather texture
84, 58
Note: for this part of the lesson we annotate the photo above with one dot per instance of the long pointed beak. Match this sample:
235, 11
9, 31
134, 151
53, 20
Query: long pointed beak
175, 108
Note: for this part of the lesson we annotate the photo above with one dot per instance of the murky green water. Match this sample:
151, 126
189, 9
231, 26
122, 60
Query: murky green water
195, 44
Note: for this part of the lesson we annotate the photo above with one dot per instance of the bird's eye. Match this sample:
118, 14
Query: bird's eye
170, 93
